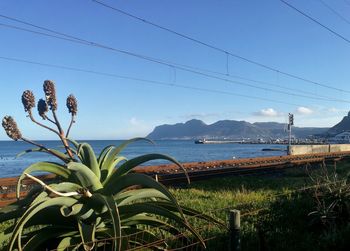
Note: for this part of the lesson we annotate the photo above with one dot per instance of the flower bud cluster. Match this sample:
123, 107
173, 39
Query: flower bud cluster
72, 105
28, 100
11, 128
50, 94
43, 108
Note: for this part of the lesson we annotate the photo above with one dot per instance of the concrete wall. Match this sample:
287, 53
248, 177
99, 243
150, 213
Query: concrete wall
339, 147
309, 149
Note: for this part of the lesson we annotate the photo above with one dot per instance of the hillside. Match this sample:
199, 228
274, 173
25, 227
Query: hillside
343, 125
230, 129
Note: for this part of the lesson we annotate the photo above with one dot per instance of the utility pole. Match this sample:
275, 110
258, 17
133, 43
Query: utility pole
290, 123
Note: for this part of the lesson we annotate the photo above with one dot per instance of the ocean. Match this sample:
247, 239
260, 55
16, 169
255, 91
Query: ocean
182, 150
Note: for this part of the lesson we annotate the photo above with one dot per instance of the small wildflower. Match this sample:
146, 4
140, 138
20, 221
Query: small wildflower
28, 100
50, 94
72, 105
42, 108
11, 129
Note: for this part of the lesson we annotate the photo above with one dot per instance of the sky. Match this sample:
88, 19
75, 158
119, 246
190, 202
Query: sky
122, 96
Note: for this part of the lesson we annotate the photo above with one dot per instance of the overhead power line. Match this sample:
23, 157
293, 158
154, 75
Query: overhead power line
145, 80
186, 66
334, 11
75, 39
253, 80
219, 49
316, 21
86, 42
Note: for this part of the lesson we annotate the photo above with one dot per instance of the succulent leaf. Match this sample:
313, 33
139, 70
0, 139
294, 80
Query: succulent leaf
50, 167
68, 242
130, 196
117, 185
111, 156
132, 163
154, 208
86, 176
43, 150
17, 232
87, 234
88, 158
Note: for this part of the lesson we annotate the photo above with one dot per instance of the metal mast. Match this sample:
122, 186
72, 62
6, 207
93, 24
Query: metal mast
290, 123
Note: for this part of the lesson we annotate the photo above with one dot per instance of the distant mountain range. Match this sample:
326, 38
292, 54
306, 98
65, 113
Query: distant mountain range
230, 129
343, 125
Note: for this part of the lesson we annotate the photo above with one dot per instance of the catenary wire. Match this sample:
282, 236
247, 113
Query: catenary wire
334, 11
89, 43
220, 49
145, 80
186, 66
316, 21
255, 81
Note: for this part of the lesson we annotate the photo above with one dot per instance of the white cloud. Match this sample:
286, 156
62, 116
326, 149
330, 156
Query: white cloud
304, 110
268, 112
134, 121
134, 127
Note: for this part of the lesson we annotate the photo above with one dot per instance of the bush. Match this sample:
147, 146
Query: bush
93, 199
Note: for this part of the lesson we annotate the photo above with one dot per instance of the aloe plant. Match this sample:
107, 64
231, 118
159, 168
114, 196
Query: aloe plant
94, 198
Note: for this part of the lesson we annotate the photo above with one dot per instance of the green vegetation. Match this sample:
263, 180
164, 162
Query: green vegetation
299, 209
278, 212
92, 200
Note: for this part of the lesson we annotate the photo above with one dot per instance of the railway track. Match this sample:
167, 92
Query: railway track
171, 174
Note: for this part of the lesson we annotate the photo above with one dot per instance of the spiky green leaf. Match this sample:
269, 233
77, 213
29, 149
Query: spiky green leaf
130, 196
132, 163
88, 158
87, 234
50, 167
61, 155
85, 175
113, 212
17, 232
111, 156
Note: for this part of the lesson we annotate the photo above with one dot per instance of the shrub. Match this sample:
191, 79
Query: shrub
92, 200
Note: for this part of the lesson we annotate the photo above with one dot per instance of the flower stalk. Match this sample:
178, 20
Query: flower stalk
43, 106
51, 100
47, 187
72, 106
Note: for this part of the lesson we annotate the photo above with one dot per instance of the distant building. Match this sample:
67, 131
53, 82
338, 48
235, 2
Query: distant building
341, 138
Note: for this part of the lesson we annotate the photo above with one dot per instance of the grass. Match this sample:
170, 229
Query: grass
274, 217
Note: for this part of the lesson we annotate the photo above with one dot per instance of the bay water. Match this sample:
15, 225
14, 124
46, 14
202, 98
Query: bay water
181, 150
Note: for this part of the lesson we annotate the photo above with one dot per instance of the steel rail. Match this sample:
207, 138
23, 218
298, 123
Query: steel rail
172, 175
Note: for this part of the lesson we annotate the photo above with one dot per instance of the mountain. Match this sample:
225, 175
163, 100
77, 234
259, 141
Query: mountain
343, 125
232, 129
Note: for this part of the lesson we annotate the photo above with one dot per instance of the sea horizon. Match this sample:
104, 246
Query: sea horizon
182, 150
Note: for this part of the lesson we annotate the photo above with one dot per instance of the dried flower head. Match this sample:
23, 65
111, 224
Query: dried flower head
72, 105
50, 94
11, 129
28, 100
42, 108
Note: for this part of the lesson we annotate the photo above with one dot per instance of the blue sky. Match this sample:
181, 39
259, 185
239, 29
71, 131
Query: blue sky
115, 108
